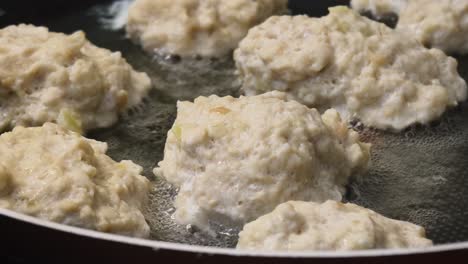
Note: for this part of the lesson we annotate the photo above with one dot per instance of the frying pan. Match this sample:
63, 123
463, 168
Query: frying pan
419, 175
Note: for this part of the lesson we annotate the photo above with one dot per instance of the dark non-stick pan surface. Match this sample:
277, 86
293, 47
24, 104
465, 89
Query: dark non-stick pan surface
419, 175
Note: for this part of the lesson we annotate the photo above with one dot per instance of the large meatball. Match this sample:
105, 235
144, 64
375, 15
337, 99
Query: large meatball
296, 225
53, 77
210, 28
55, 174
362, 68
237, 158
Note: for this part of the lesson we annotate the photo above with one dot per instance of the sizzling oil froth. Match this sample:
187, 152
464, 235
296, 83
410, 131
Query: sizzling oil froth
419, 176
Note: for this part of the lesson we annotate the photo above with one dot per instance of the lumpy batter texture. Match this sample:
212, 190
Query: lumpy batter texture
53, 77
362, 68
210, 28
441, 24
296, 225
55, 174
238, 158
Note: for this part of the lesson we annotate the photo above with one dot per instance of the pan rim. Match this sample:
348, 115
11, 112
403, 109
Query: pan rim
161, 245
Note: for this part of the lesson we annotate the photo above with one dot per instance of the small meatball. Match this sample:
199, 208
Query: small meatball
235, 159
55, 174
441, 24
363, 69
297, 225
53, 77
209, 28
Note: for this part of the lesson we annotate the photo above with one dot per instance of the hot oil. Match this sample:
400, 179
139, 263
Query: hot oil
419, 175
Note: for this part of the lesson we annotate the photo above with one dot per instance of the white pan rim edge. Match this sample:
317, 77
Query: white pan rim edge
156, 245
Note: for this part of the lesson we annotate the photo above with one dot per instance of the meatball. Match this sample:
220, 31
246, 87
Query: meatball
53, 77
439, 24
363, 69
209, 28
234, 159
55, 174
297, 225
